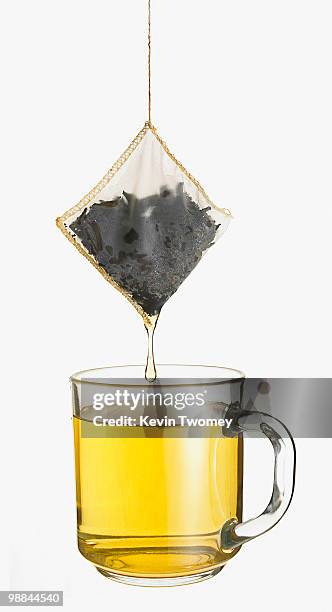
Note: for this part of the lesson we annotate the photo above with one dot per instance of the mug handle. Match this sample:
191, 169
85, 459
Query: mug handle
233, 533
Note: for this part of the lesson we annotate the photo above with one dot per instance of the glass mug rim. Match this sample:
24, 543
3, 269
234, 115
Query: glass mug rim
223, 375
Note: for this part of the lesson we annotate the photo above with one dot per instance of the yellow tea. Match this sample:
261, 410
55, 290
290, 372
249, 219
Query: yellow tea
154, 506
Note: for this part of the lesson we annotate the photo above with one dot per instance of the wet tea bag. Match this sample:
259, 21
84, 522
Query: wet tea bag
146, 224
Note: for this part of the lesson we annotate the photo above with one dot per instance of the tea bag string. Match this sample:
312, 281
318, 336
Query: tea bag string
149, 61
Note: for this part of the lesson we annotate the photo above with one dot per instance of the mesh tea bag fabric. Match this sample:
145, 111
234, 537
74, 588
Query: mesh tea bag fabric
146, 224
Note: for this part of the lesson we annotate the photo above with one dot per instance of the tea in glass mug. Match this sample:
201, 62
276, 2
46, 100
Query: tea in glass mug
162, 505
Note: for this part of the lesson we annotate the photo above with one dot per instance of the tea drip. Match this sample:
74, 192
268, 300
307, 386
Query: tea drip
150, 369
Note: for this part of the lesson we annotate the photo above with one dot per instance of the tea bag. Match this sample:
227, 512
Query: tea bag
146, 225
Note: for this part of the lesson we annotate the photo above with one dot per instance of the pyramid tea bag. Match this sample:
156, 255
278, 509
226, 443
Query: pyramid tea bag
146, 224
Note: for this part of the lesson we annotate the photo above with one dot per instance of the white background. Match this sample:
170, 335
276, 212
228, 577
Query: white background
242, 95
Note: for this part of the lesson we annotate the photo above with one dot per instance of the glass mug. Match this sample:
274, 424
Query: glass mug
160, 507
